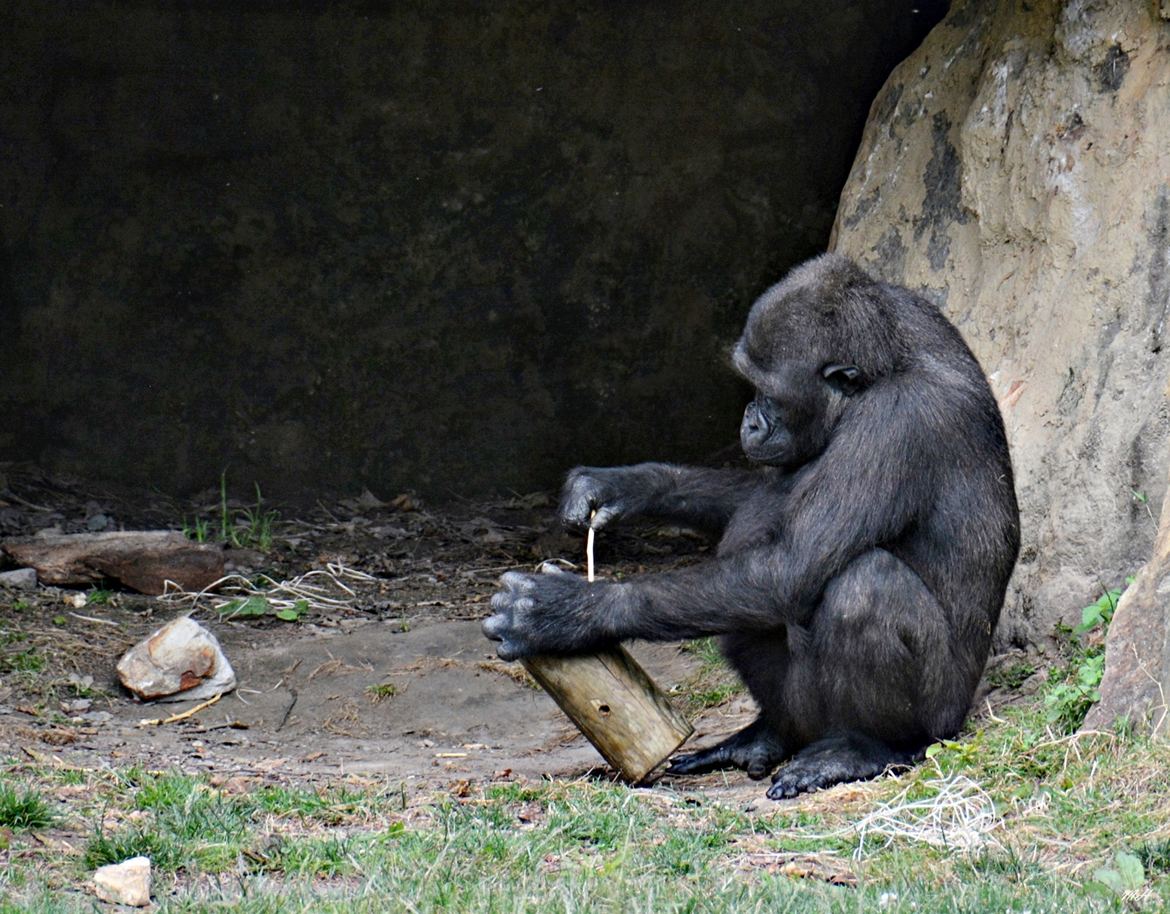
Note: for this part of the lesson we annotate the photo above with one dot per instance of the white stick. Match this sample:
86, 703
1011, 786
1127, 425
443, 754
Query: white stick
589, 550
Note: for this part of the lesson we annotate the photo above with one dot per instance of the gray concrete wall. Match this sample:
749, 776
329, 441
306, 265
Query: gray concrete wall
447, 247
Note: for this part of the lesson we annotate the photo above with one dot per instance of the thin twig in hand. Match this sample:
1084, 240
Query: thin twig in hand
589, 549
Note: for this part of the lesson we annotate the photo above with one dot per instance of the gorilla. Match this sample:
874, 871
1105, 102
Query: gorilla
861, 565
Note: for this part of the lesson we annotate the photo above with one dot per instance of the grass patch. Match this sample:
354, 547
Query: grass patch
1073, 689
23, 810
380, 691
715, 683
246, 528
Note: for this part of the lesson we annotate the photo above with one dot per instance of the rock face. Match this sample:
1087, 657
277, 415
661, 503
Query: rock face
181, 661
1016, 170
1137, 648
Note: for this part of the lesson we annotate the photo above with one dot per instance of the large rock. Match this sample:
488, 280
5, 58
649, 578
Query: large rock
1137, 648
1016, 169
181, 661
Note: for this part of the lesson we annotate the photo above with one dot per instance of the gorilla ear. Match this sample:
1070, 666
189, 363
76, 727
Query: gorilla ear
848, 379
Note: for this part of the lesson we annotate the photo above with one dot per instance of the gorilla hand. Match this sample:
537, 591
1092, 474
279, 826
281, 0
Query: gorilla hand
553, 612
594, 496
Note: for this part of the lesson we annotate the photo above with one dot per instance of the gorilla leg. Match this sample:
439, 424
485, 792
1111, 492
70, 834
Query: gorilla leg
761, 659
756, 749
873, 680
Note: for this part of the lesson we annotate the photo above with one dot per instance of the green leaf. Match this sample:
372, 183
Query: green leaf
1130, 869
288, 615
253, 606
1111, 879
394, 830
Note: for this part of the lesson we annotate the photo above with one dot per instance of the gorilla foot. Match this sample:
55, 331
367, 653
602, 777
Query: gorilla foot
836, 760
756, 749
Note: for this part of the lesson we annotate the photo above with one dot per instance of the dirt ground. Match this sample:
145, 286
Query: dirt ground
385, 673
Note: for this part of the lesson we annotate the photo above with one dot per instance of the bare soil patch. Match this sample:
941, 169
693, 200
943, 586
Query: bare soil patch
390, 677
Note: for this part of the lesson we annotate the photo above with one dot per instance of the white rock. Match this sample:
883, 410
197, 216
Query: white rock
125, 883
179, 662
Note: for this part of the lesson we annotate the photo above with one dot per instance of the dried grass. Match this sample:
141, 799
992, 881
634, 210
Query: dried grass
959, 814
320, 590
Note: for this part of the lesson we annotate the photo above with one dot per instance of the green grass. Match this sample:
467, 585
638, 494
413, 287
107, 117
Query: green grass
380, 691
23, 810
1082, 823
714, 683
26, 661
247, 528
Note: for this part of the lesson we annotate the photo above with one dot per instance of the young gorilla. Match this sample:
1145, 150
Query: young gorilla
860, 572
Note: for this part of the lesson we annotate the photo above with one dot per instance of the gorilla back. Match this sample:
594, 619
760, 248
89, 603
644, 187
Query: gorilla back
861, 567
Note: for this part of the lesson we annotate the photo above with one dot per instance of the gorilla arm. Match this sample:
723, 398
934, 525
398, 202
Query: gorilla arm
696, 496
849, 500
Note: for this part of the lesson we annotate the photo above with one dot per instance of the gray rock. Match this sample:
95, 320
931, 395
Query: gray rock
96, 523
179, 662
21, 578
1137, 648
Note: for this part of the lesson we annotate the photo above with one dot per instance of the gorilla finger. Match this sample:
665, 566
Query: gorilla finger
495, 627
758, 769
552, 568
509, 650
575, 510
516, 580
501, 601
782, 790
604, 515
697, 762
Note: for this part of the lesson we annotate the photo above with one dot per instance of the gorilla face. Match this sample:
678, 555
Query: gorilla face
795, 410
796, 353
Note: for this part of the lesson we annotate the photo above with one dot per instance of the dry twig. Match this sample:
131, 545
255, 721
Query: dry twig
183, 715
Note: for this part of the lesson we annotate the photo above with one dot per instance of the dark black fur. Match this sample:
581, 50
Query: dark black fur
860, 571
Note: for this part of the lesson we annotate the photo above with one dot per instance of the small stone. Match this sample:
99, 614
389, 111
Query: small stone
96, 523
20, 579
125, 883
181, 661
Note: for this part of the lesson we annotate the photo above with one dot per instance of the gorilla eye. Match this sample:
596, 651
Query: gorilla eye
848, 379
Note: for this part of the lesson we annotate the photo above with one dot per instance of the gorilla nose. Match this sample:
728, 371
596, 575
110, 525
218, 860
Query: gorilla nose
754, 427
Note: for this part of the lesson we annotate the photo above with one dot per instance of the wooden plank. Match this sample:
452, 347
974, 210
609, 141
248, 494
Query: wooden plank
616, 705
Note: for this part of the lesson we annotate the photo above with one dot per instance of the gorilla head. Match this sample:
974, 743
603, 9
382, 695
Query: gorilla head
812, 342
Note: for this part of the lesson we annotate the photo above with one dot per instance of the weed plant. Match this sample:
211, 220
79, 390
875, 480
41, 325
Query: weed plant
249, 528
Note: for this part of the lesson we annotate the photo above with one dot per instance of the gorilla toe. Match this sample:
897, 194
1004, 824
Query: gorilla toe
835, 761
